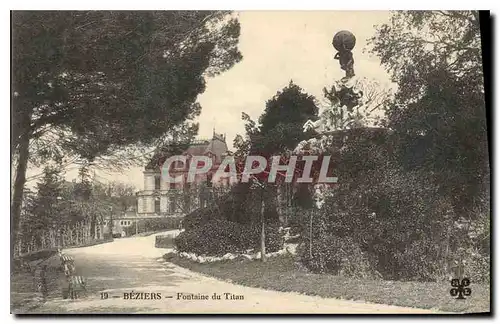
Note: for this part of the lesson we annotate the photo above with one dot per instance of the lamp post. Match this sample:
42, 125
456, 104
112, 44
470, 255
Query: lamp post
257, 184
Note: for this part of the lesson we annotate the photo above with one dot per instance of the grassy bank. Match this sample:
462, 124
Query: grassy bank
282, 274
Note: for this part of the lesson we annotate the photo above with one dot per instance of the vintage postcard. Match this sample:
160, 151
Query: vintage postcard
253, 162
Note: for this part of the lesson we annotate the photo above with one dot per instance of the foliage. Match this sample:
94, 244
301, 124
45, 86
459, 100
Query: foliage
44, 209
280, 125
405, 197
122, 195
402, 193
154, 225
250, 237
175, 143
336, 255
477, 266
214, 238
218, 237
279, 129
91, 84
58, 205
111, 58
238, 205
199, 217
449, 39
302, 197
439, 109
396, 217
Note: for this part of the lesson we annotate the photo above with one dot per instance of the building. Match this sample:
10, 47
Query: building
161, 198
121, 221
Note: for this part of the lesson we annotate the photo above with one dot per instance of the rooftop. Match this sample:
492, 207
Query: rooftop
217, 146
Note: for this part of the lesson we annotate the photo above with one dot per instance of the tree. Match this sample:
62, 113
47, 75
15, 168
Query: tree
89, 83
280, 129
281, 124
123, 195
439, 109
46, 206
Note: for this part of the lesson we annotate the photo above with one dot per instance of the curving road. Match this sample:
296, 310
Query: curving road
135, 265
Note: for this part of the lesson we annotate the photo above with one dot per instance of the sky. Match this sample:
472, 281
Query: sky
277, 46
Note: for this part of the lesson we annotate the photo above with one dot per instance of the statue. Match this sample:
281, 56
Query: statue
346, 99
344, 42
345, 96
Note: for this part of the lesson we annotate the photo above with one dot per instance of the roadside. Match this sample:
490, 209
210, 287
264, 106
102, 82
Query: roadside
282, 274
134, 265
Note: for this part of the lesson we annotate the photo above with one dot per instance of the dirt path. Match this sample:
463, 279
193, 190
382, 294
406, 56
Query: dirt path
134, 265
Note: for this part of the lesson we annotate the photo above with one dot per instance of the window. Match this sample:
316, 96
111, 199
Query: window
172, 185
157, 206
157, 182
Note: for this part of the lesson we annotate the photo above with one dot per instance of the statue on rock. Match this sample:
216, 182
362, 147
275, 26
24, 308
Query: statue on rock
350, 104
345, 96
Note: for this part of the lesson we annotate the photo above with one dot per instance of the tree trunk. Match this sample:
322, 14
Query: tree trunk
77, 235
19, 248
43, 241
449, 229
311, 234
90, 235
93, 227
19, 182
52, 238
263, 232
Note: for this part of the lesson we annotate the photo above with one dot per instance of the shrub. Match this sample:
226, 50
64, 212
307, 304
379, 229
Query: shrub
215, 238
397, 218
297, 220
415, 262
477, 266
153, 225
338, 256
251, 237
199, 218
219, 237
